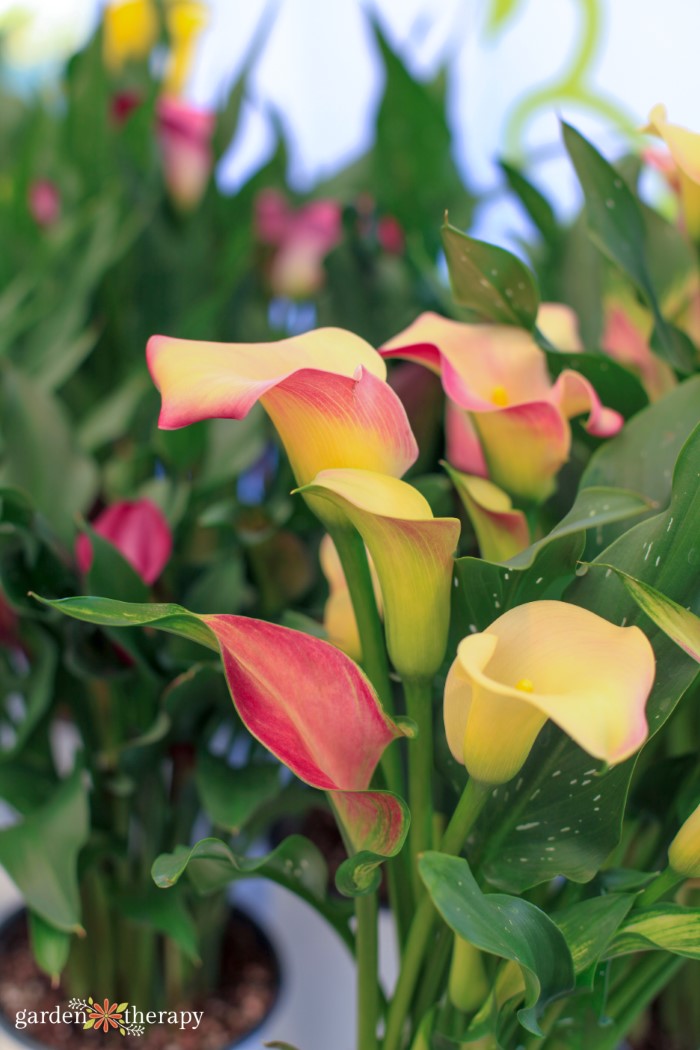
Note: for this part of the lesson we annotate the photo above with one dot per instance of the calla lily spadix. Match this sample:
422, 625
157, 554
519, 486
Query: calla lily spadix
501, 531
546, 660
517, 418
684, 146
413, 555
325, 392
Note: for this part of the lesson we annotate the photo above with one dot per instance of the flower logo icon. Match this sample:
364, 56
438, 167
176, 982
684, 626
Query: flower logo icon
106, 1016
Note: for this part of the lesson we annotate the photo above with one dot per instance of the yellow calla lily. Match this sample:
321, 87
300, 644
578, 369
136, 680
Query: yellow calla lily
412, 553
684, 851
546, 660
558, 323
131, 29
684, 146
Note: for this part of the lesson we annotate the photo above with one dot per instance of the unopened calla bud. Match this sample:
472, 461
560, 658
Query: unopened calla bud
684, 851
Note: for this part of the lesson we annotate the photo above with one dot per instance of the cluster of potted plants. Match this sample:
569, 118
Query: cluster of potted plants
397, 610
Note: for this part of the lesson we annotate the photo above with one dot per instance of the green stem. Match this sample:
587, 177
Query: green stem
419, 704
351, 551
663, 884
636, 993
463, 819
367, 972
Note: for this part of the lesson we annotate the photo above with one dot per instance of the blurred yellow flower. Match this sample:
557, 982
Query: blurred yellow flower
132, 28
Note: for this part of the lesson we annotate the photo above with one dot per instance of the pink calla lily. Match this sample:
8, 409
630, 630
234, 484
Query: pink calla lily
325, 391
626, 337
313, 708
139, 531
520, 419
301, 240
184, 134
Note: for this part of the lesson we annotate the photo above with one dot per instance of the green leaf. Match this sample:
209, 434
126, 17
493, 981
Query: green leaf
165, 912
535, 203
491, 282
50, 946
589, 926
414, 184
616, 387
37, 691
106, 612
617, 225
232, 796
593, 507
40, 454
668, 927
295, 864
681, 625
41, 854
507, 927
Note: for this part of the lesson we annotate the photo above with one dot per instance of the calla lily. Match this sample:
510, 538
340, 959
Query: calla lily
498, 376
44, 202
139, 531
303, 699
627, 331
546, 660
501, 531
684, 851
131, 29
684, 146
184, 134
301, 240
324, 391
338, 615
413, 555
558, 323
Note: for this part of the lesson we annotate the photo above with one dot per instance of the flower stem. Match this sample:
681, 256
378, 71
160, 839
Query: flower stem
661, 885
642, 986
353, 557
419, 704
367, 971
463, 819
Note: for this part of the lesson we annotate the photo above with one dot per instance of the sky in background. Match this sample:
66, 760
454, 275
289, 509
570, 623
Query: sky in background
318, 71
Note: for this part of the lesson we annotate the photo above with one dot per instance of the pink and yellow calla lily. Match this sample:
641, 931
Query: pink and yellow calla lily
413, 555
325, 392
338, 615
684, 146
626, 337
558, 323
517, 419
546, 660
184, 135
501, 531
313, 708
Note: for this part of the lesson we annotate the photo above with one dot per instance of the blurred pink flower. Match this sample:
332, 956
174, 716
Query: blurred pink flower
301, 238
184, 134
140, 533
390, 235
123, 105
44, 202
9, 634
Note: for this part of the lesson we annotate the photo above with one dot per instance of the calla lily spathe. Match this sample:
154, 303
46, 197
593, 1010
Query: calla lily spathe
184, 135
140, 532
413, 555
517, 421
501, 531
626, 337
546, 660
325, 392
684, 146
